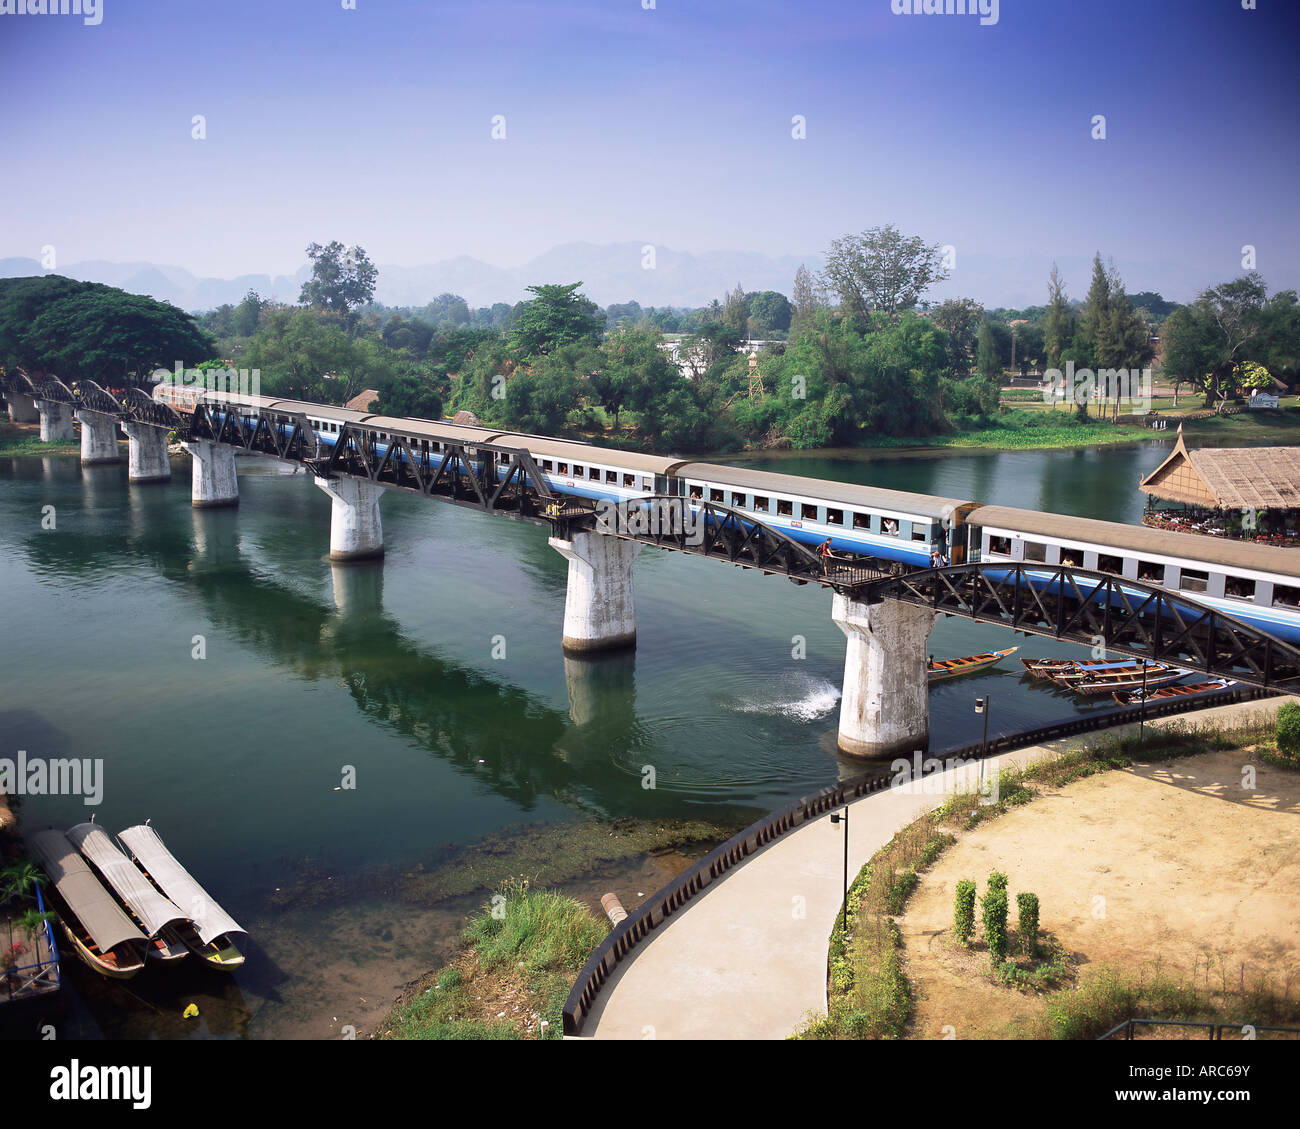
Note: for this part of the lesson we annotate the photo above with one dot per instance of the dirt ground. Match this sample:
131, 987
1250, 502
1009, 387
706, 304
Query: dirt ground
1176, 862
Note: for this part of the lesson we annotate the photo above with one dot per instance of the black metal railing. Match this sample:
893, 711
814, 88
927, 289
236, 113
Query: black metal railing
622, 943
1128, 1028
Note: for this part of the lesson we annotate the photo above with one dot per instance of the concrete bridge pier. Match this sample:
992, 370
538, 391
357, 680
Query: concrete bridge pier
147, 459
599, 613
98, 438
356, 531
214, 480
56, 420
885, 710
22, 408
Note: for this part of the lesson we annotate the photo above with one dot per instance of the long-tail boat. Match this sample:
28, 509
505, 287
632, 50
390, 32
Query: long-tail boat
951, 668
1103, 684
1135, 697
1046, 669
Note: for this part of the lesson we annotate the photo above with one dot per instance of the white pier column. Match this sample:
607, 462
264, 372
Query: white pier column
147, 459
56, 420
885, 709
98, 438
22, 408
356, 532
599, 613
214, 480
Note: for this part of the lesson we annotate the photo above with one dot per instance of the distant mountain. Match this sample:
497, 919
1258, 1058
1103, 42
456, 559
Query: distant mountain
611, 272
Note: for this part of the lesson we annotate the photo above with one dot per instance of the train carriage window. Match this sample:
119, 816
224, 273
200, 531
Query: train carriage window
612, 476
697, 492
578, 472
1107, 563
629, 480
738, 500
1000, 545
889, 527
834, 517
1239, 588
715, 495
1035, 551
562, 468
1151, 572
1072, 558
784, 508
1286, 596
648, 485
760, 503
807, 512
861, 521
547, 465
1193, 581
919, 532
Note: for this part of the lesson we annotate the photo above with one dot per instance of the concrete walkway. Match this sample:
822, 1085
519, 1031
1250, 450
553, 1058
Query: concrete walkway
747, 959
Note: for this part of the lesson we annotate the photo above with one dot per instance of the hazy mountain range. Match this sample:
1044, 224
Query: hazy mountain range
612, 272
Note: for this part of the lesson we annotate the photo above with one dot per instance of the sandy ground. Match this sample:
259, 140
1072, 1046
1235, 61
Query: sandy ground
1175, 861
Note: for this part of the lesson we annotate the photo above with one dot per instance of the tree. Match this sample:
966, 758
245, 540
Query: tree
558, 315
248, 314
1097, 325
342, 279
960, 318
804, 297
106, 334
1206, 343
988, 363
539, 398
1059, 328
634, 373
881, 269
769, 311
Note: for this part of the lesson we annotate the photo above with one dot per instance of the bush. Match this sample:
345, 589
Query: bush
1288, 729
995, 924
963, 914
1027, 925
997, 881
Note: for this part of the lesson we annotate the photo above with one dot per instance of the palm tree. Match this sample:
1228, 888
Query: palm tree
18, 879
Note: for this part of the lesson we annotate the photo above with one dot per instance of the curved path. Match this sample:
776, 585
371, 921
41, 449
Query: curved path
747, 960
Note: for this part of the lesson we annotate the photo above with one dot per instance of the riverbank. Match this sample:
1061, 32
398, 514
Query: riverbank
1134, 924
23, 441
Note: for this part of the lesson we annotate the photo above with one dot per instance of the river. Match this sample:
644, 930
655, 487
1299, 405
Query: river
332, 749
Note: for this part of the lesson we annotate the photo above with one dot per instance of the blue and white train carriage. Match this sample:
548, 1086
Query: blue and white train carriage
1257, 584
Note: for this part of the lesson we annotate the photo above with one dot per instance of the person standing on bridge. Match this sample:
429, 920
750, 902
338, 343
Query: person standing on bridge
826, 556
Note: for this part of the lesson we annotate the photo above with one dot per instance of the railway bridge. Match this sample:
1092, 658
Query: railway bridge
885, 610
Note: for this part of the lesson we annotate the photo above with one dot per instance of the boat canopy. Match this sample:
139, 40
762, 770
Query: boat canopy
176, 882
124, 876
84, 894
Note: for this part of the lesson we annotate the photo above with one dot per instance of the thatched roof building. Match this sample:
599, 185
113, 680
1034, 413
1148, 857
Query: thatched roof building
1235, 478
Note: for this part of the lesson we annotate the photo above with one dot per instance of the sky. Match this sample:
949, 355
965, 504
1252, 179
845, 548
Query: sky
667, 122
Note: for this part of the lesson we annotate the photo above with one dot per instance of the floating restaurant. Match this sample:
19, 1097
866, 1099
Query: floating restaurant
1247, 493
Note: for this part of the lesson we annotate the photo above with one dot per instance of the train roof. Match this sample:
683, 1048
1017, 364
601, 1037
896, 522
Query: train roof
848, 494
1141, 539
586, 452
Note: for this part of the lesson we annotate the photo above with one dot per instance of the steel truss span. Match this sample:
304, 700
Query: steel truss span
1090, 608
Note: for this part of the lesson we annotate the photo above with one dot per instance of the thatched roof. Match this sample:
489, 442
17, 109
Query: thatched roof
466, 419
1260, 478
362, 400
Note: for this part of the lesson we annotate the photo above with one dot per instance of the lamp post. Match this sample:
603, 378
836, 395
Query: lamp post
982, 706
1142, 709
837, 818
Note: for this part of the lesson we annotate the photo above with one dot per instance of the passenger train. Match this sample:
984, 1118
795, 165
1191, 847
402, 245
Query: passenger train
1257, 584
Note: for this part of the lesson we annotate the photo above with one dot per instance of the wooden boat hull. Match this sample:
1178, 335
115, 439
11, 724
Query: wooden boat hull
1092, 689
1047, 669
114, 971
221, 953
1129, 674
1133, 698
954, 668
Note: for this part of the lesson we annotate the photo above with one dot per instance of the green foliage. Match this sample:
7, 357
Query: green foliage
556, 317
995, 923
963, 916
998, 881
1027, 923
342, 278
1288, 728
881, 270
542, 928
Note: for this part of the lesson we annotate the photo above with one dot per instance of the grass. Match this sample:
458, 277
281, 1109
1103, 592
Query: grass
20, 443
869, 996
521, 953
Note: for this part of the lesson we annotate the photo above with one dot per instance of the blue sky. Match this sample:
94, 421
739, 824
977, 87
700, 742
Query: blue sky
669, 126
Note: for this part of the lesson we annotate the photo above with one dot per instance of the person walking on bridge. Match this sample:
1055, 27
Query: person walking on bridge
826, 557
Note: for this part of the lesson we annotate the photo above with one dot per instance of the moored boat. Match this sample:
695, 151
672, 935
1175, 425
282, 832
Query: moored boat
951, 668
1135, 697
1046, 669
1113, 673
151, 911
208, 931
101, 935
1093, 687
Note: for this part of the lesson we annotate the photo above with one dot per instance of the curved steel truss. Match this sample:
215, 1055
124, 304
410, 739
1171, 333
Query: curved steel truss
53, 391
93, 398
1097, 608
286, 435
140, 407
